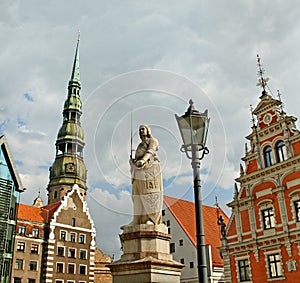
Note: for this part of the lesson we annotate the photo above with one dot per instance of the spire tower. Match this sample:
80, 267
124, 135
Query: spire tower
68, 167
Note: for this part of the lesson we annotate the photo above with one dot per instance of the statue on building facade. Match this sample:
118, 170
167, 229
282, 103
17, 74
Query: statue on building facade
222, 224
147, 185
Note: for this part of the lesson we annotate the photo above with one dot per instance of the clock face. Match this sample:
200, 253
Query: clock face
267, 118
70, 168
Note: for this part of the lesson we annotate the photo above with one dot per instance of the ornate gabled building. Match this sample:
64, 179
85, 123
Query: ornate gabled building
179, 217
56, 242
263, 235
68, 167
10, 189
70, 253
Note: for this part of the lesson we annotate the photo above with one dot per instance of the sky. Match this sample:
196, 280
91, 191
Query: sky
144, 59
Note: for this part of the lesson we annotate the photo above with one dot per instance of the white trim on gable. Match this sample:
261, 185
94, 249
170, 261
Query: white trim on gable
65, 203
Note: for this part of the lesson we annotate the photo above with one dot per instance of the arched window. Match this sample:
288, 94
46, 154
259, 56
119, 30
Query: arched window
280, 151
268, 156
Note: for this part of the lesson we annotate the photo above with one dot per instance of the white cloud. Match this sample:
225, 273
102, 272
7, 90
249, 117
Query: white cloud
201, 43
109, 212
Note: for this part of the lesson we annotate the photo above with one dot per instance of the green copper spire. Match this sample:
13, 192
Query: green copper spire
68, 167
75, 76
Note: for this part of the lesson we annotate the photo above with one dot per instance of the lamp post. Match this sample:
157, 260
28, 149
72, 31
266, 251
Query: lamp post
193, 127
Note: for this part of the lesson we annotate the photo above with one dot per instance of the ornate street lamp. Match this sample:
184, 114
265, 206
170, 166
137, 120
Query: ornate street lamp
193, 127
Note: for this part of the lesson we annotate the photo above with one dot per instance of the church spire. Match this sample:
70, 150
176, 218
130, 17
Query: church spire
75, 76
68, 167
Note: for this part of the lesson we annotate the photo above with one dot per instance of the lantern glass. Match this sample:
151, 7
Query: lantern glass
193, 127
185, 130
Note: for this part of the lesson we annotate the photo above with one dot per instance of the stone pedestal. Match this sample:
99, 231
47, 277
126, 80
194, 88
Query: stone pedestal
146, 256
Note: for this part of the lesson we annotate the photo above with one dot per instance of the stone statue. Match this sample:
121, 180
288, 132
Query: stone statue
147, 186
223, 226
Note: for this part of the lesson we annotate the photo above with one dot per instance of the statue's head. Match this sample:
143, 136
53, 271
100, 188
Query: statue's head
144, 130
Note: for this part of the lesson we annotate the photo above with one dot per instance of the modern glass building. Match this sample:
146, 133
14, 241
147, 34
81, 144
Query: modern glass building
10, 189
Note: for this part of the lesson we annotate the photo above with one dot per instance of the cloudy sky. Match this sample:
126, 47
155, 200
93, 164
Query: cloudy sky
147, 58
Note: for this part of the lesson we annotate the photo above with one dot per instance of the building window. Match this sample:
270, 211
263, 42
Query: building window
168, 222
244, 270
59, 267
163, 212
63, 235
19, 264
21, 247
169, 230
280, 151
172, 248
71, 268
35, 232
9, 246
34, 249
59, 281
22, 230
12, 213
191, 264
17, 280
55, 195
73, 222
180, 242
274, 265
73, 237
31, 280
83, 254
297, 210
268, 156
33, 265
60, 251
71, 253
81, 239
268, 218
182, 260
6, 267
82, 269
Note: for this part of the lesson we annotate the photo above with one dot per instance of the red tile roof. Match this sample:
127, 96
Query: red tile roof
37, 214
52, 208
31, 213
184, 212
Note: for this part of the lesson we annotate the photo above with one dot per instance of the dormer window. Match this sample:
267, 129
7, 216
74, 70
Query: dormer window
280, 151
22, 230
268, 156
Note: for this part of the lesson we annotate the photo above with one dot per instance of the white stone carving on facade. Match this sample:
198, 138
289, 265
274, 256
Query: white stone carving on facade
264, 193
256, 254
288, 247
291, 265
293, 183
